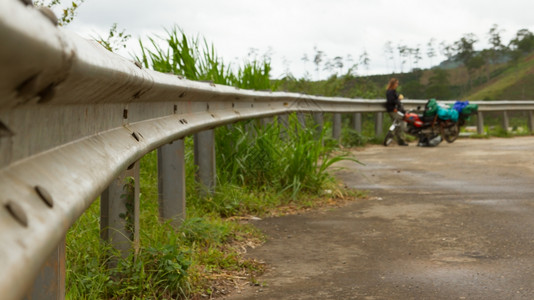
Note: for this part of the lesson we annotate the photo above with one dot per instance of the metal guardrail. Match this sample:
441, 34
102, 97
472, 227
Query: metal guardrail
74, 117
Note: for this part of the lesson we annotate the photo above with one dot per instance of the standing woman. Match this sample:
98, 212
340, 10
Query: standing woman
393, 104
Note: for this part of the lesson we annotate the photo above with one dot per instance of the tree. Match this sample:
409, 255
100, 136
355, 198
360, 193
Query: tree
476, 62
351, 71
305, 60
416, 52
465, 52
287, 67
410, 57
365, 60
328, 66
318, 59
487, 57
438, 85
388, 51
464, 48
338, 63
494, 38
404, 52
413, 89
430, 50
353, 67
523, 41
446, 50
497, 48
68, 12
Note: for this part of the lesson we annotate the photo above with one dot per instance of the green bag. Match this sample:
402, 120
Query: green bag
470, 109
431, 108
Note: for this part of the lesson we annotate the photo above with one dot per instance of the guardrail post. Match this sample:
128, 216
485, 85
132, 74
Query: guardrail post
50, 282
250, 128
530, 121
119, 212
283, 120
318, 118
205, 160
505, 121
357, 122
301, 117
480, 123
336, 126
266, 121
379, 117
171, 182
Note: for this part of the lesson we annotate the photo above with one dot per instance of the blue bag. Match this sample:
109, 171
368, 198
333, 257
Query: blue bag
460, 105
448, 114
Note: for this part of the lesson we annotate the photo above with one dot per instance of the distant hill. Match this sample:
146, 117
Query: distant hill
449, 64
504, 80
515, 83
454, 62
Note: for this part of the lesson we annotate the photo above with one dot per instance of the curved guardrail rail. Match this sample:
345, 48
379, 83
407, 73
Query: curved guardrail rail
74, 116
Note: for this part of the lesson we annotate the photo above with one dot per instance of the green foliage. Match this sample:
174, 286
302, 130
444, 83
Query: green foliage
415, 89
198, 230
343, 86
155, 272
68, 12
254, 75
115, 39
499, 131
438, 85
465, 48
476, 62
168, 262
196, 59
87, 257
494, 125
183, 56
237, 200
127, 197
352, 138
257, 156
523, 41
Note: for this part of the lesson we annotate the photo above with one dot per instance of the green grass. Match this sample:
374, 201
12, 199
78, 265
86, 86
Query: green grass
352, 138
184, 263
171, 263
493, 124
498, 131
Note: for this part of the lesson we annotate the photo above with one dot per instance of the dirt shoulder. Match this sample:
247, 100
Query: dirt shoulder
451, 222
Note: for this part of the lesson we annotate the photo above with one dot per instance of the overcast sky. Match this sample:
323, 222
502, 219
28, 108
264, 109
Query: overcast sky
288, 29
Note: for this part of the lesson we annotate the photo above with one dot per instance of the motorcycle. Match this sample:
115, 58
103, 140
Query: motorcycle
429, 130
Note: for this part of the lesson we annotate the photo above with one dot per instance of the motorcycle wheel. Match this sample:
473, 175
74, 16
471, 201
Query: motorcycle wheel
388, 139
450, 133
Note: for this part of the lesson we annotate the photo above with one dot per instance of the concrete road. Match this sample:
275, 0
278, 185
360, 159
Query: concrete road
451, 222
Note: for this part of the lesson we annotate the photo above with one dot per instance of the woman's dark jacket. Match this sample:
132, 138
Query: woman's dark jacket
393, 102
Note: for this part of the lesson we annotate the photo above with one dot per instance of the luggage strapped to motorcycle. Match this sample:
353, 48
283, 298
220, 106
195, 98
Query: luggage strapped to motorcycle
434, 122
